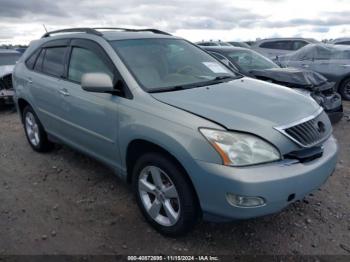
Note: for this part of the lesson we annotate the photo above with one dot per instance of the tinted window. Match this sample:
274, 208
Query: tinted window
39, 61
31, 61
296, 45
53, 61
85, 61
343, 43
9, 58
280, 45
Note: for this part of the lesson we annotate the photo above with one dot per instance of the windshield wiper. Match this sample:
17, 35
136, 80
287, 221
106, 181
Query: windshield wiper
168, 89
216, 80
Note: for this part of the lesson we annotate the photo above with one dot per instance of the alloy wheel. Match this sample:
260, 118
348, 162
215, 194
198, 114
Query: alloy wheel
32, 129
159, 196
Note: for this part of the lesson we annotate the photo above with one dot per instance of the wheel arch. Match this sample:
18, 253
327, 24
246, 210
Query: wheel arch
138, 147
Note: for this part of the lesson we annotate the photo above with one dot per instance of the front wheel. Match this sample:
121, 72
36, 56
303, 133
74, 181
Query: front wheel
344, 89
164, 195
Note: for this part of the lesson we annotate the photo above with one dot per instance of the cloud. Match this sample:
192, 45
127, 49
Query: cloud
22, 20
20, 9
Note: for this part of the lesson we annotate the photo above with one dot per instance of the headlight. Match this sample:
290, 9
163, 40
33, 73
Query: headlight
239, 149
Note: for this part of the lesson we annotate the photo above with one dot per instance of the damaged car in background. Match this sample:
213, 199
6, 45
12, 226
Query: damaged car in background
307, 82
332, 61
8, 59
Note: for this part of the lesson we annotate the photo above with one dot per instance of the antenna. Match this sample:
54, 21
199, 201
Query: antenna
45, 28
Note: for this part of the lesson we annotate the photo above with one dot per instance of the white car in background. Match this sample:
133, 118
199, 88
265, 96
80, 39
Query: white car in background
275, 47
341, 41
8, 59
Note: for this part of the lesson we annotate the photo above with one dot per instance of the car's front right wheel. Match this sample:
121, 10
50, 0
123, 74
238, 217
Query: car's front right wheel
164, 195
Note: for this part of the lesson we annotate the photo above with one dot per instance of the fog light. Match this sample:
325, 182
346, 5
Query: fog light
244, 201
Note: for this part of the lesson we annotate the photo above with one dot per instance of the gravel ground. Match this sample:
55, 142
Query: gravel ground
66, 203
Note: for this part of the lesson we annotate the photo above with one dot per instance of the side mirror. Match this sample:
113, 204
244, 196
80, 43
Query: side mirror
97, 82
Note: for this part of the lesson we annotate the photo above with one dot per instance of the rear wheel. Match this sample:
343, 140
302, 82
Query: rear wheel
35, 132
164, 195
344, 89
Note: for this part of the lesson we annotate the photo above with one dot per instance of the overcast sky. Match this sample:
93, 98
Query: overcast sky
21, 20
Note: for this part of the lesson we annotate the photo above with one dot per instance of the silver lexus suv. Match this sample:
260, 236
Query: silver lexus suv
194, 139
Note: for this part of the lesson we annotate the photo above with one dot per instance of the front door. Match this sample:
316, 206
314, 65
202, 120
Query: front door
91, 119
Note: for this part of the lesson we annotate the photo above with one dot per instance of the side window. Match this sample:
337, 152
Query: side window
39, 62
280, 45
343, 43
85, 61
31, 60
53, 63
296, 45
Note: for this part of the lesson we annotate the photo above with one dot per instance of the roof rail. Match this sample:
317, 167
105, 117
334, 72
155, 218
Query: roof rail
74, 30
155, 31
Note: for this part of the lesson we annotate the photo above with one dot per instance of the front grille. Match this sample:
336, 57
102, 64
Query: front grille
309, 132
7, 82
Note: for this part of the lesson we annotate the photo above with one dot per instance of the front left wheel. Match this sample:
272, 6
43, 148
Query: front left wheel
35, 132
164, 195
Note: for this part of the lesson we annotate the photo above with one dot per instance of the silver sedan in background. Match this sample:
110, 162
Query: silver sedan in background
332, 61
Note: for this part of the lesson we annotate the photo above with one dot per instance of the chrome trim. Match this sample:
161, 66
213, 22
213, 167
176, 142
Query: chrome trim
282, 128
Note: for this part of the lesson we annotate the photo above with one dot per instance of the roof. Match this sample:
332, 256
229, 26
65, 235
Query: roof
122, 35
340, 39
330, 46
287, 38
109, 34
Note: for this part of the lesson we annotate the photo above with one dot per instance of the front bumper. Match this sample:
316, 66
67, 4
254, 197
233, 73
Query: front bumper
275, 182
336, 114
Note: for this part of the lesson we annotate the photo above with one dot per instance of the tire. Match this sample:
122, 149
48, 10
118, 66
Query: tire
344, 89
35, 132
175, 211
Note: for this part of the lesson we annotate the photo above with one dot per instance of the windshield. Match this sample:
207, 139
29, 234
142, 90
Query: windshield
167, 63
249, 60
9, 59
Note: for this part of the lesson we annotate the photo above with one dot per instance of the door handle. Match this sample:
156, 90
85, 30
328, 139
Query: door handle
304, 65
30, 81
64, 92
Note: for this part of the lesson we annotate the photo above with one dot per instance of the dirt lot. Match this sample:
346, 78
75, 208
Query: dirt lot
66, 203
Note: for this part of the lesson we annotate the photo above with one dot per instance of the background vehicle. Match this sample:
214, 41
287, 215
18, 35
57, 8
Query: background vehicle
341, 41
175, 123
274, 47
212, 43
239, 44
252, 64
332, 61
8, 59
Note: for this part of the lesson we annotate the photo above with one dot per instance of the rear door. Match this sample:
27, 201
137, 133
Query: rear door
90, 119
44, 80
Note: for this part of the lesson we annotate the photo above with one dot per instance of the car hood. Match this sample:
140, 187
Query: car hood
292, 77
5, 70
244, 104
